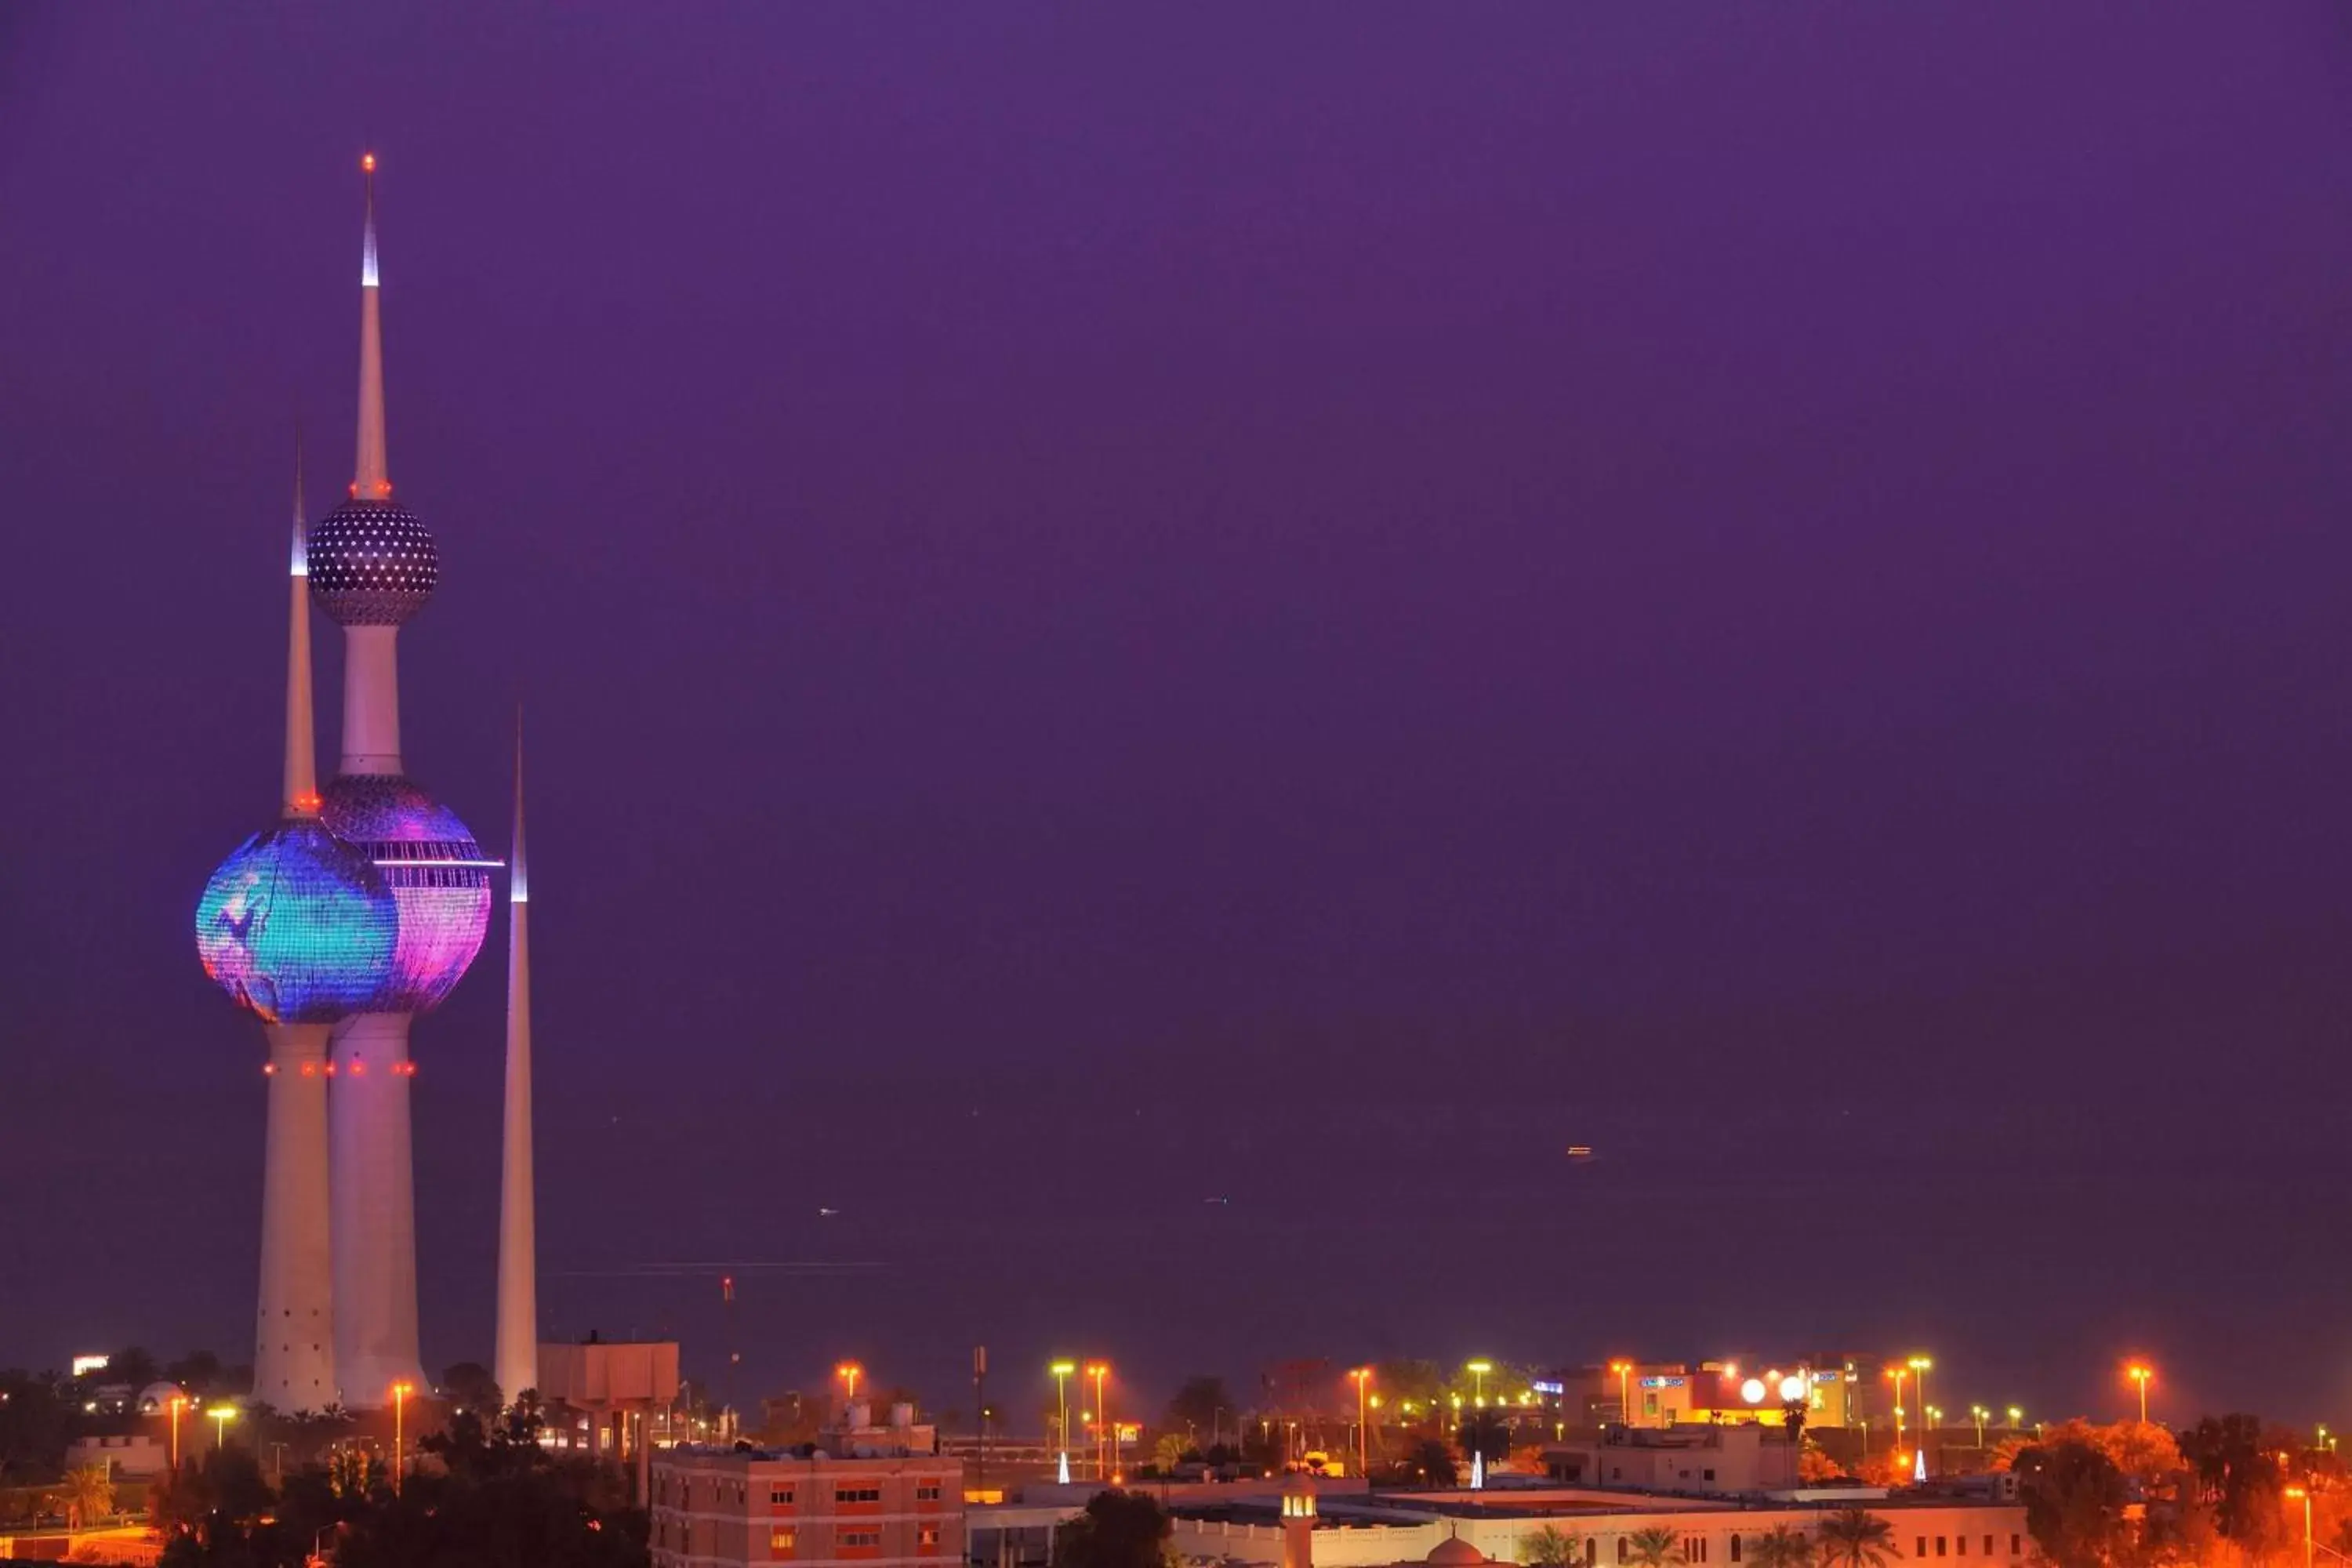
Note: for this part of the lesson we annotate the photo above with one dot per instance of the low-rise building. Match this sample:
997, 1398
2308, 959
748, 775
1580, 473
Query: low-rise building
723, 1507
1714, 1457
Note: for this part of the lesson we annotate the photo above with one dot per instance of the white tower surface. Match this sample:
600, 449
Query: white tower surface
517, 1358
294, 1343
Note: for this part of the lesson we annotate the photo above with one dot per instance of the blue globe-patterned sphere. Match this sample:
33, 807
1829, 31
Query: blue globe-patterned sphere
371, 564
297, 926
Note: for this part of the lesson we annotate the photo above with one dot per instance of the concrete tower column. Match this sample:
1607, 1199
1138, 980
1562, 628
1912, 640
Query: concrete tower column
375, 1207
294, 1333
370, 700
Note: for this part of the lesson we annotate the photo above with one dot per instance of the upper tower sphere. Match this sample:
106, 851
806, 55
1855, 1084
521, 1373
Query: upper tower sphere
440, 883
371, 564
297, 926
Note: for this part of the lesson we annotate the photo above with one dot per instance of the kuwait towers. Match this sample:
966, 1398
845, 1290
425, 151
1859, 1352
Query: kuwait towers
373, 566
361, 908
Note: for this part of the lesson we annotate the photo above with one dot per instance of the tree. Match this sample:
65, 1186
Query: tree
2075, 1500
1783, 1546
1202, 1406
1433, 1461
86, 1493
1814, 1467
470, 1386
1856, 1538
1483, 1432
198, 1371
134, 1364
2237, 1469
1657, 1547
1118, 1530
1547, 1548
1169, 1451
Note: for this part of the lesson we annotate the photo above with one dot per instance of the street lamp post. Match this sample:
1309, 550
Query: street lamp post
1100, 1373
2304, 1493
2016, 1419
1919, 1365
221, 1415
1478, 1371
2141, 1373
1362, 1378
849, 1372
1624, 1371
1898, 1374
400, 1393
1061, 1370
1980, 1412
179, 1403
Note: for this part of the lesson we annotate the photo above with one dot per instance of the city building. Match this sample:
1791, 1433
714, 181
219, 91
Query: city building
1463, 1529
1688, 1456
714, 1508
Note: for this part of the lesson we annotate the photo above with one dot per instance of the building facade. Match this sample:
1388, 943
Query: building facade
714, 1508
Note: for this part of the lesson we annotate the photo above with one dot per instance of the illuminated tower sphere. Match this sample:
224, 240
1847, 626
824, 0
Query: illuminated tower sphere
297, 926
371, 564
439, 883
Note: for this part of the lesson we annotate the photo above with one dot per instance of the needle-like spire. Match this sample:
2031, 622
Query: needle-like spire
302, 756
373, 478
515, 1362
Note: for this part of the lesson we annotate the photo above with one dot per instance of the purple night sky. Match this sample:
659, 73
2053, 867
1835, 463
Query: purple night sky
1302, 604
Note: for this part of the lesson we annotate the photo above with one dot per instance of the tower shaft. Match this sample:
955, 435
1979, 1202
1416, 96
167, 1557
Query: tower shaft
373, 1187
294, 1333
372, 479
370, 700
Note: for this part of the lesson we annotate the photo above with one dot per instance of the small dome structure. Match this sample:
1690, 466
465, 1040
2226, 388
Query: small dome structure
1455, 1552
371, 564
439, 879
297, 926
156, 1399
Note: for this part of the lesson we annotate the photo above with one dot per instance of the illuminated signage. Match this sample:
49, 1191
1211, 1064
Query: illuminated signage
1662, 1383
1542, 1387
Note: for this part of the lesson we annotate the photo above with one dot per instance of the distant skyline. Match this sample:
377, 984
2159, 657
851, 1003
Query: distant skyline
1123, 608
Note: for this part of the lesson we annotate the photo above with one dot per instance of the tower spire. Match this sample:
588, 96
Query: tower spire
516, 1353
302, 753
372, 480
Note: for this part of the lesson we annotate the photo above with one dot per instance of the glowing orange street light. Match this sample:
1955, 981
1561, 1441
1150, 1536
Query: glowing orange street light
849, 1372
1362, 1378
1104, 1431
179, 1403
221, 1415
400, 1393
2304, 1493
1898, 1374
1624, 1371
1919, 1365
2141, 1373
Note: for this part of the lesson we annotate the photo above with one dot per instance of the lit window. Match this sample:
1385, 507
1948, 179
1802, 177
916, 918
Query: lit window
928, 1537
781, 1542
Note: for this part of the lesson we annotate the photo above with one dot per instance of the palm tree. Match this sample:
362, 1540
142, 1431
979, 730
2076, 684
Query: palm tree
1856, 1538
86, 1493
1656, 1548
1783, 1546
1547, 1548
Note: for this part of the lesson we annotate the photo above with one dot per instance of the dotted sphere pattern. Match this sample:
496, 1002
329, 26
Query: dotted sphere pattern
371, 564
